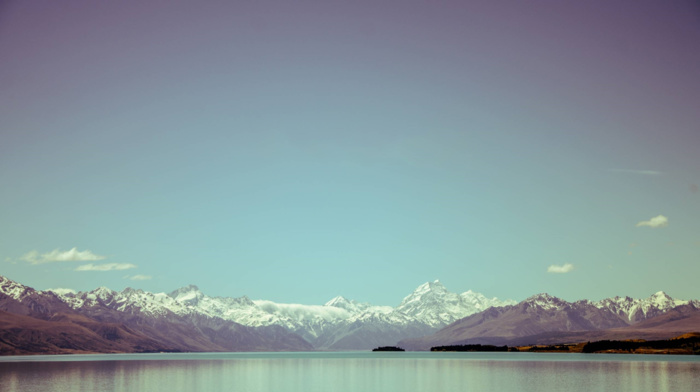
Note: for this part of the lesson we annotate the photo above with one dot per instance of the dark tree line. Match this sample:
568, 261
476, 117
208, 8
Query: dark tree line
470, 347
549, 348
625, 345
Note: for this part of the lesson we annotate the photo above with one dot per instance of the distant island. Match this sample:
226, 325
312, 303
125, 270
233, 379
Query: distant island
388, 348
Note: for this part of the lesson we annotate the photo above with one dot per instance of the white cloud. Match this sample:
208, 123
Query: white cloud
74, 254
303, 312
138, 277
642, 172
560, 269
105, 267
62, 291
655, 222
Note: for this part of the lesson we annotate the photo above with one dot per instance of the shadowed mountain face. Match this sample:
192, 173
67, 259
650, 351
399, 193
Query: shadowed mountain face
70, 333
544, 319
103, 320
343, 324
40, 322
681, 319
189, 320
106, 321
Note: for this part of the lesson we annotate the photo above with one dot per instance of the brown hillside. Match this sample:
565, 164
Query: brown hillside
69, 334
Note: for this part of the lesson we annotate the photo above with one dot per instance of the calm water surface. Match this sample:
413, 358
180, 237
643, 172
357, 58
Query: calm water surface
354, 371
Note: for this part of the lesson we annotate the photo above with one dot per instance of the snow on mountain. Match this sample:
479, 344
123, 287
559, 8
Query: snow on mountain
136, 300
634, 310
371, 329
631, 310
20, 299
350, 305
545, 301
607, 313
545, 319
307, 320
339, 321
129, 301
241, 310
188, 295
13, 289
429, 307
346, 324
434, 305
341, 302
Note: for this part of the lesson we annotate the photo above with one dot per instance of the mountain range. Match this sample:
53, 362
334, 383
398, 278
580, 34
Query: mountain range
544, 319
103, 320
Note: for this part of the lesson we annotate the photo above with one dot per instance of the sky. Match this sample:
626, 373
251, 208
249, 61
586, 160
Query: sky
296, 151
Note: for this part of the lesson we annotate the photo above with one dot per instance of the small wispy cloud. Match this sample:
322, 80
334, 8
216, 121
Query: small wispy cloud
62, 291
138, 277
655, 222
560, 269
56, 255
641, 172
106, 267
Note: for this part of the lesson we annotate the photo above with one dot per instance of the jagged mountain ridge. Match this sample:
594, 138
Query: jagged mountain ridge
103, 320
338, 324
435, 306
641, 309
542, 317
347, 324
233, 323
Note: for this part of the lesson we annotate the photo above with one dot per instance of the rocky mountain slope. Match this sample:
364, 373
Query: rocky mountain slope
103, 320
546, 319
189, 320
343, 324
428, 308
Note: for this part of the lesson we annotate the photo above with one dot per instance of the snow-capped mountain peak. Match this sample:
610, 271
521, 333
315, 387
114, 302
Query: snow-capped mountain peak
342, 323
542, 297
425, 292
100, 294
338, 302
189, 295
434, 305
13, 289
661, 299
545, 301
429, 287
634, 310
349, 305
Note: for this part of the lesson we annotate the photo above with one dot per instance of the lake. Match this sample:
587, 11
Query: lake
350, 371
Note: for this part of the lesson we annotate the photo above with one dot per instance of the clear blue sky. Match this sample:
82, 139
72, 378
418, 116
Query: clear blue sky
295, 151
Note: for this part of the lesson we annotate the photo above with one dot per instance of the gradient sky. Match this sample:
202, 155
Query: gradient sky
295, 151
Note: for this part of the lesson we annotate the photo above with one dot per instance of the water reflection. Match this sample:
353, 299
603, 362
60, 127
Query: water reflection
349, 374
